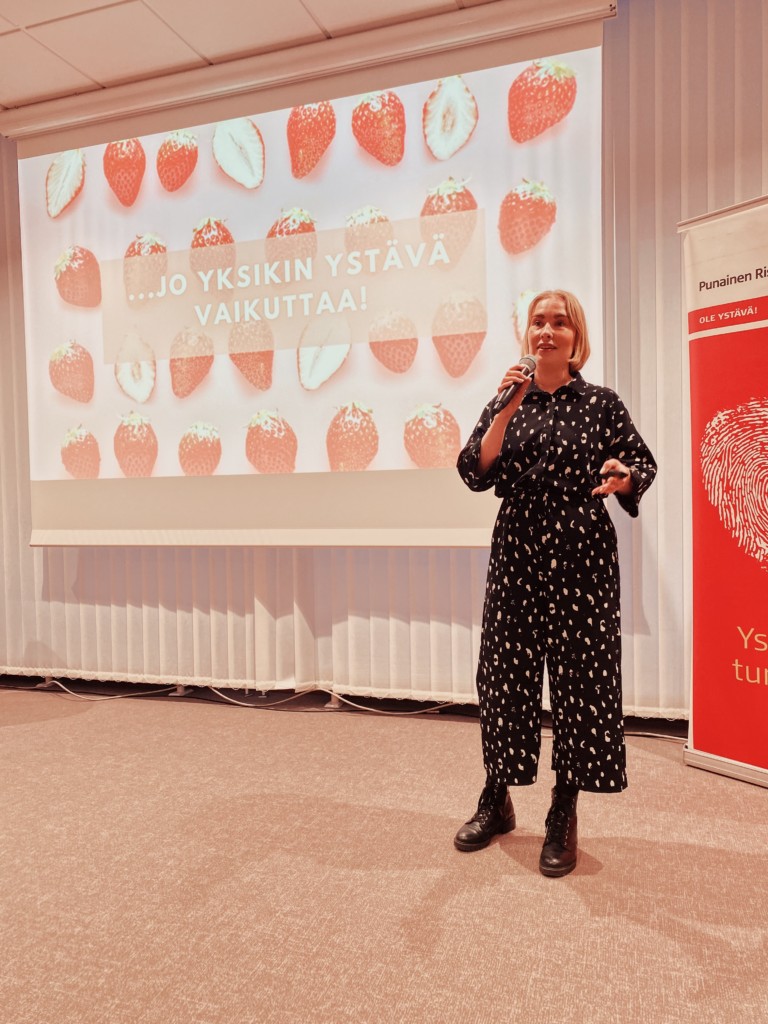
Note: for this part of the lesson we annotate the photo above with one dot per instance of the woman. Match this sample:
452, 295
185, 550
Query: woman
554, 453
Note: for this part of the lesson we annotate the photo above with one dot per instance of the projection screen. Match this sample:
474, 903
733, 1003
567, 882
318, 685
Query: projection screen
280, 326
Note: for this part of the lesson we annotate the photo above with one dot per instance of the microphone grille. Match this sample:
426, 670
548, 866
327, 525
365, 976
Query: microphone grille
529, 361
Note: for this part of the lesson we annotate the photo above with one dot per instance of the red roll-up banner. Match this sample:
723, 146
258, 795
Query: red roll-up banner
726, 298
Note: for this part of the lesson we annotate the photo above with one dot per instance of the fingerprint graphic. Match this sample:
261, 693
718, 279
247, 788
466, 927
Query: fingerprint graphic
734, 462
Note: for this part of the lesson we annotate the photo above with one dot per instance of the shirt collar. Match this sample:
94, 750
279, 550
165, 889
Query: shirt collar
576, 384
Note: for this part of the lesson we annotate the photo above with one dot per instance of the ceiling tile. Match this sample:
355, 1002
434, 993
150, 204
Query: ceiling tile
29, 73
340, 17
226, 29
118, 44
32, 12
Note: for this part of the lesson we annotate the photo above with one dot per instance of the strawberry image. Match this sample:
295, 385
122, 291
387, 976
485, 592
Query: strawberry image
124, 166
378, 124
458, 331
78, 277
310, 131
324, 345
145, 263
527, 213
64, 181
71, 371
292, 236
449, 117
432, 437
135, 445
191, 360
352, 439
270, 444
136, 368
252, 350
200, 450
453, 208
176, 159
213, 246
541, 96
393, 339
238, 149
80, 454
366, 228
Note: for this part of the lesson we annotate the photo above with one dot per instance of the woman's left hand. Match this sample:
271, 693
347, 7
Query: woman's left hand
619, 482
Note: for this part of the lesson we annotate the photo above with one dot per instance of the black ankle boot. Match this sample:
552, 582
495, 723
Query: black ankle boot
558, 855
494, 815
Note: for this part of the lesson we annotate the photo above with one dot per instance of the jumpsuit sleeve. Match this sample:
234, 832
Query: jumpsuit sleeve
628, 446
469, 457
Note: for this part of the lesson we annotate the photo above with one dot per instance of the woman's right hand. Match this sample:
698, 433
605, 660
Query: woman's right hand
490, 446
515, 375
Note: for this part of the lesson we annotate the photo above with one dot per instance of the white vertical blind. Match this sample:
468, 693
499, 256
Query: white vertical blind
685, 106
686, 99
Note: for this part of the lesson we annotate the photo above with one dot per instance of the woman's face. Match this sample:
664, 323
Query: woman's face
551, 335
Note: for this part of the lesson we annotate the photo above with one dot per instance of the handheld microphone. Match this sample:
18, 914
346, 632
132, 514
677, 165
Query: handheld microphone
528, 364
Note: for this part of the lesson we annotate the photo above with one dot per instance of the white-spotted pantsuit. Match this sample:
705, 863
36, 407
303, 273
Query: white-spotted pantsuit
552, 593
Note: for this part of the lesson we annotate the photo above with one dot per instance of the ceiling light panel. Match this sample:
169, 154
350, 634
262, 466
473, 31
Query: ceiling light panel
34, 12
118, 44
228, 29
29, 73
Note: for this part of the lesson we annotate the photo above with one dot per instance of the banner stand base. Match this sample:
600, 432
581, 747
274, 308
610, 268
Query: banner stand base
722, 766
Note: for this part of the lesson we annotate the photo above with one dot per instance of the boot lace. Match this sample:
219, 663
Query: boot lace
556, 824
491, 801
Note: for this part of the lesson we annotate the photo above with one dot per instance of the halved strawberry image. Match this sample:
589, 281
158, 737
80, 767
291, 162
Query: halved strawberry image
450, 210
323, 348
71, 371
393, 339
191, 360
144, 265
527, 213
135, 444
366, 228
238, 149
378, 124
352, 440
310, 131
124, 166
136, 368
270, 444
458, 331
449, 117
541, 96
200, 450
292, 236
432, 437
213, 247
252, 350
64, 181
78, 277
80, 454
176, 160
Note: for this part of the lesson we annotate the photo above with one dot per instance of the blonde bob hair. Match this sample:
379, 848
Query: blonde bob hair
575, 314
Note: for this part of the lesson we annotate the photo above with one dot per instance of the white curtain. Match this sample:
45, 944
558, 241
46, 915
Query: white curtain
685, 132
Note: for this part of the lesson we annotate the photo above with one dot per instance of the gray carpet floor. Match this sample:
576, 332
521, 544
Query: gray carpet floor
175, 862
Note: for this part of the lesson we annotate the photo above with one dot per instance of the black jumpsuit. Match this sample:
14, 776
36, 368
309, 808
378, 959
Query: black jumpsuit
552, 592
